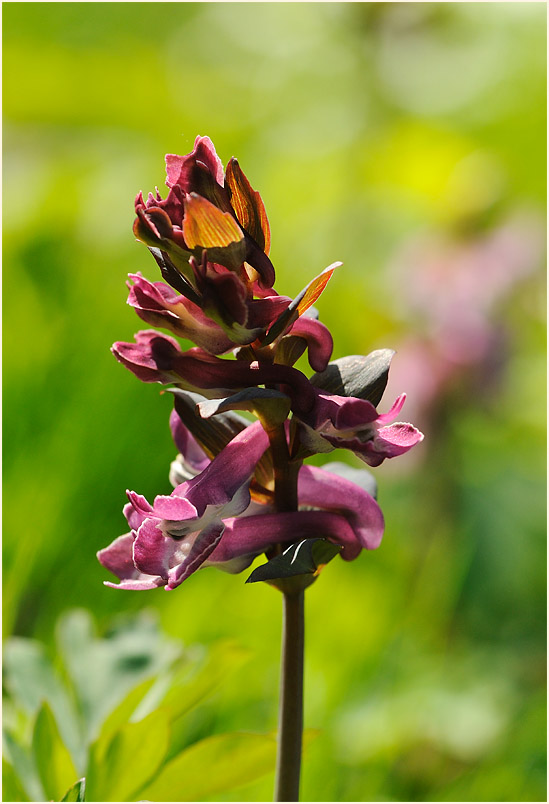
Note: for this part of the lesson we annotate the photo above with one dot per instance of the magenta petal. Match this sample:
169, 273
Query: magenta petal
152, 551
397, 438
174, 507
141, 507
345, 413
134, 517
383, 418
203, 546
118, 557
388, 442
140, 584
179, 169
319, 341
263, 312
328, 491
353, 414
172, 204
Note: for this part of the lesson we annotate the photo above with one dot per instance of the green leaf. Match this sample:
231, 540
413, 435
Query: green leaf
301, 562
122, 713
24, 767
53, 760
290, 349
306, 441
122, 763
181, 693
173, 277
77, 792
213, 766
189, 688
12, 789
362, 376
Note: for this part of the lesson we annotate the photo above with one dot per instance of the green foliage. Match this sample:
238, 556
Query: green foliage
55, 767
127, 741
212, 766
122, 763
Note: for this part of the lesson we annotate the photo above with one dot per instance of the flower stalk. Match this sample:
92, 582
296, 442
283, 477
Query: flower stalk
290, 713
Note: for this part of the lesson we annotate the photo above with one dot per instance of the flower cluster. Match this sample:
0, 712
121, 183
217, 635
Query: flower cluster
241, 488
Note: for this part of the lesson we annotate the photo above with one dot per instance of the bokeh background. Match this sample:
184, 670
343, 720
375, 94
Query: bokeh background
408, 141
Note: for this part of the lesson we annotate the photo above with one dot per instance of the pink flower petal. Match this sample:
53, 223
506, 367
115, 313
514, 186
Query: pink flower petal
152, 551
383, 418
329, 491
117, 557
179, 169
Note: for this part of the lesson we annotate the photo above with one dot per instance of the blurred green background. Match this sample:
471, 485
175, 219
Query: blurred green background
408, 141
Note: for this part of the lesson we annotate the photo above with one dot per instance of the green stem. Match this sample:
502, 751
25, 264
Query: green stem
290, 718
290, 713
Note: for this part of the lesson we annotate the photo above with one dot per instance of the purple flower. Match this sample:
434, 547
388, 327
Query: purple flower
228, 300
351, 423
240, 489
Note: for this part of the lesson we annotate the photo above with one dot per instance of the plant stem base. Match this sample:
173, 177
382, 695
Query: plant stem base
290, 732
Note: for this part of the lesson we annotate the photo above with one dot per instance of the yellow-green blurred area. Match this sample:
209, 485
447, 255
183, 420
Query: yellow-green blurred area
408, 141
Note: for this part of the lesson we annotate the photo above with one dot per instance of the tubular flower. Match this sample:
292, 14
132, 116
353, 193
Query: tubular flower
158, 305
158, 358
